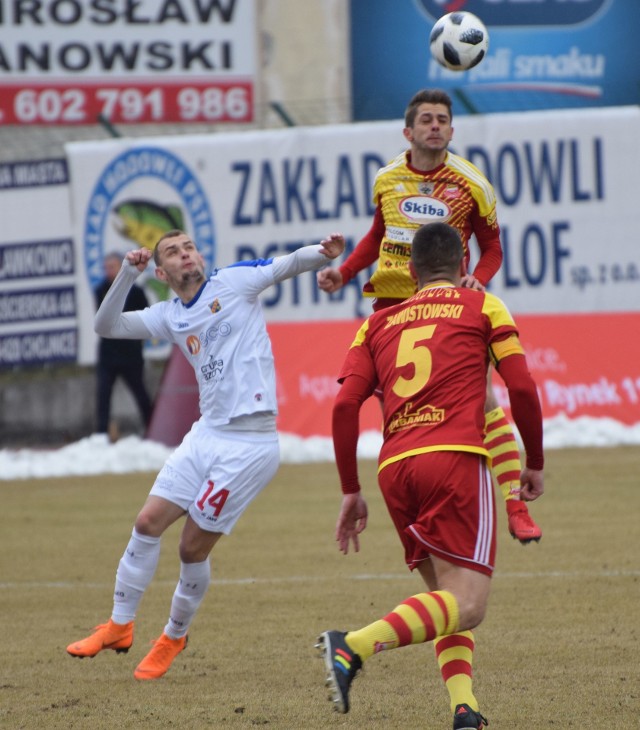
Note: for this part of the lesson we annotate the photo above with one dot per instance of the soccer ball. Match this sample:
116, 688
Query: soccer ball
459, 41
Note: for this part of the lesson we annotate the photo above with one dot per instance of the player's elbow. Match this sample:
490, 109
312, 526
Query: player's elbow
101, 328
345, 406
524, 392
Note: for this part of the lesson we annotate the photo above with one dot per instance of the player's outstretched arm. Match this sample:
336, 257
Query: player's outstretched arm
110, 320
365, 254
307, 258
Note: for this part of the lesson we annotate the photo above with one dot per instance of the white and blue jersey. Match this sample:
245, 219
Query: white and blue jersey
222, 334
221, 331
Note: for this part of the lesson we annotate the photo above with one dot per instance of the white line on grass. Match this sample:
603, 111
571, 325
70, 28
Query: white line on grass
321, 579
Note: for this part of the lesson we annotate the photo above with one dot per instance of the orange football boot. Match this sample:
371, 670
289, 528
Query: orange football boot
118, 637
159, 659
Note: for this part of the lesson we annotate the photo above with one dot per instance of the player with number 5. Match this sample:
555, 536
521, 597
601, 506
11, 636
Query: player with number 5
429, 355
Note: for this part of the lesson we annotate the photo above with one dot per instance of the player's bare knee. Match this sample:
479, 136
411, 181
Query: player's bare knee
147, 524
191, 553
472, 612
196, 547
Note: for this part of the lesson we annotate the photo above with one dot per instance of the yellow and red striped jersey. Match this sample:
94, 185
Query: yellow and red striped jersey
456, 193
429, 356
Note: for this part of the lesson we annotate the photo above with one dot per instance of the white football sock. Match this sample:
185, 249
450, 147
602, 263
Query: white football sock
193, 584
135, 571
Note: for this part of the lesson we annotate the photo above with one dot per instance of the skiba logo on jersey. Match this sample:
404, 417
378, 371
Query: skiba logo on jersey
141, 194
422, 208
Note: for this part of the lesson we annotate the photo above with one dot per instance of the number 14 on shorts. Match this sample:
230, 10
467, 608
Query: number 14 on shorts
215, 500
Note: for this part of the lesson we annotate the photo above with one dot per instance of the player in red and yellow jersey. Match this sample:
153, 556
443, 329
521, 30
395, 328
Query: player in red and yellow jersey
429, 183
429, 356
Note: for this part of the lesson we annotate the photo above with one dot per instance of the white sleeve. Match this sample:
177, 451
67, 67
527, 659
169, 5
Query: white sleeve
110, 320
307, 258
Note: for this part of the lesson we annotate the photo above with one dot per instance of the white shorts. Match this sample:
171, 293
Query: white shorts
215, 475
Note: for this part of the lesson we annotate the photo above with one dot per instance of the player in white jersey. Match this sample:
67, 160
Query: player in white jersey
231, 452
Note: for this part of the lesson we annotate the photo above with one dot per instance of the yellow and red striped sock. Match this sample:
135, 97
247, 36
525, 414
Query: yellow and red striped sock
421, 618
455, 658
501, 443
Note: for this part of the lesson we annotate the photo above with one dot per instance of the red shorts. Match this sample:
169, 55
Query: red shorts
442, 503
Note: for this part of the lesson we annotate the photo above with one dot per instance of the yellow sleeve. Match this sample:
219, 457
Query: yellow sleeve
496, 310
361, 335
503, 348
502, 321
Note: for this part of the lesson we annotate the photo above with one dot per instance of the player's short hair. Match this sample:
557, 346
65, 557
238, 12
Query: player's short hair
436, 247
426, 96
169, 234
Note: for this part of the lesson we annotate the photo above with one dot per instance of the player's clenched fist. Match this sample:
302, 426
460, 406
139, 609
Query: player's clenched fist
139, 257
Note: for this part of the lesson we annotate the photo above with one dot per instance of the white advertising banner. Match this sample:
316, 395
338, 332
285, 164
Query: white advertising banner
71, 61
564, 181
38, 275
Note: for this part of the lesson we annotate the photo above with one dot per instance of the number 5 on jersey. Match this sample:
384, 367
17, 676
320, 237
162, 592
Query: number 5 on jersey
410, 352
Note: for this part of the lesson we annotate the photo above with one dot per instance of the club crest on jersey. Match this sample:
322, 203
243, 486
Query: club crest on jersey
215, 306
451, 191
426, 188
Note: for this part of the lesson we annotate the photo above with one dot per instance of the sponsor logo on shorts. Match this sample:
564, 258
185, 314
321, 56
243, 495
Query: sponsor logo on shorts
424, 416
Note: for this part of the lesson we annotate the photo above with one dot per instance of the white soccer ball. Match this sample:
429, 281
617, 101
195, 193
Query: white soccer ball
459, 41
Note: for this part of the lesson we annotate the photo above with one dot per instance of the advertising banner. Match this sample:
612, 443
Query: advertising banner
543, 54
565, 189
38, 274
145, 61
583, 364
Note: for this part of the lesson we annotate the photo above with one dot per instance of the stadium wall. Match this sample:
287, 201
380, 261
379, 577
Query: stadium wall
565, 195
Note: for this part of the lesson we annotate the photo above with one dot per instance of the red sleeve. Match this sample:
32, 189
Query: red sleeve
367, 251
525, 406
345, 428
488, 238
